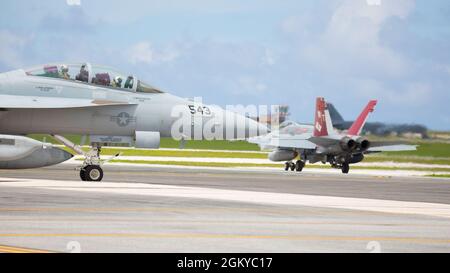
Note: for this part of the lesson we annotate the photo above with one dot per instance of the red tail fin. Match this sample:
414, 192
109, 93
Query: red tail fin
357, 126
320, 124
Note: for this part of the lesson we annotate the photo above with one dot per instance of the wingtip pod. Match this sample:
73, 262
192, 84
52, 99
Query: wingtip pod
320, 124
357, 126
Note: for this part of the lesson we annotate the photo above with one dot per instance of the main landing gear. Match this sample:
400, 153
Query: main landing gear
297, 166
345, 168
91, 169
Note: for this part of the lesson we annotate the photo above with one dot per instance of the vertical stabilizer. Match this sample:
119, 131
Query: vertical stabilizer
336, 117
320, 123
357, 126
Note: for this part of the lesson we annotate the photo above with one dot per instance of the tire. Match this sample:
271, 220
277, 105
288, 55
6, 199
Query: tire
83, 175
292, 165
93, 173
299, 165
345, 168
287, 166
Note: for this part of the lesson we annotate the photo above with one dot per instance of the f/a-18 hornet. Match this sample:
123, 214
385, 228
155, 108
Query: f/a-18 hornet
109, 106
320, 143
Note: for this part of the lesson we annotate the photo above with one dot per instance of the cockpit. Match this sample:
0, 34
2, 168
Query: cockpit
288, 123
93, 75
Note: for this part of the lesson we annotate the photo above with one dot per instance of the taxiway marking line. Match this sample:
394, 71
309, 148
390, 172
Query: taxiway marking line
14, 249
253, 197
214, 222
234, 236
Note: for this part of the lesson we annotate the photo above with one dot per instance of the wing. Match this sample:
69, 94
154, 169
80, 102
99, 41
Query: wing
18, 102
292, 144
272, 141
390, 147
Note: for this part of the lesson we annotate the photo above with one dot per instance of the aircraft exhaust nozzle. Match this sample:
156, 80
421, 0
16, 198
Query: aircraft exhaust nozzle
364, 145
348, 144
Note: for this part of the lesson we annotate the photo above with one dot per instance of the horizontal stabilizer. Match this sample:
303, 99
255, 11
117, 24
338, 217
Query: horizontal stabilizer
393, 148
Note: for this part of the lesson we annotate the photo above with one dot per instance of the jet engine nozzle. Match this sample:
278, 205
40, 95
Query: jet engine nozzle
363, 144
348, 144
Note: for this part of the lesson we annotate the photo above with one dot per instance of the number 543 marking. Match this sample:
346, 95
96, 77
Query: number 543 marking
204, 110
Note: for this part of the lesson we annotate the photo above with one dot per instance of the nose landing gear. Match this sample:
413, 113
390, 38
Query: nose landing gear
90, 170
345, 168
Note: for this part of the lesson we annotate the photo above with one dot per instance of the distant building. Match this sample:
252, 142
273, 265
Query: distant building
277, 117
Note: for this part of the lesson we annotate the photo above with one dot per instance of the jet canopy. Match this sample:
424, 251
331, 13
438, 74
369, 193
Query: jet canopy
288, 123
93, 75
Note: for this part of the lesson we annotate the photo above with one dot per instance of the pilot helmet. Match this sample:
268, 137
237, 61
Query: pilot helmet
64, 68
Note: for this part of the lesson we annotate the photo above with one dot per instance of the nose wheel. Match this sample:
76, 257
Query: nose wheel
91, 173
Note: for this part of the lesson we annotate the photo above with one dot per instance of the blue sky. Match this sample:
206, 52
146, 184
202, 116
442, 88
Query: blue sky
254, 51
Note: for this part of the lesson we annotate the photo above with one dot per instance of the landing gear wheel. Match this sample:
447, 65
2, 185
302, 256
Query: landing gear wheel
292, 166
83, 175
345, 168
287, 165
299, 165
93, 173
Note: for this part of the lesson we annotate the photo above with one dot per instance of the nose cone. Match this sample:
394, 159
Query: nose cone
58, 155
256, 128
245, 127
42, 157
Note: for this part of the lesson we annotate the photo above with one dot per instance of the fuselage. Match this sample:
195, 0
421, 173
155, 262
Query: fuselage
54, 105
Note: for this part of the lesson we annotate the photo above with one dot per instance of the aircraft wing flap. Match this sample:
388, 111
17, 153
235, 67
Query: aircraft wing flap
17, 102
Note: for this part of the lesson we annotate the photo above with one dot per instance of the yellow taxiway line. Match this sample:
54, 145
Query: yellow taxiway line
14, 249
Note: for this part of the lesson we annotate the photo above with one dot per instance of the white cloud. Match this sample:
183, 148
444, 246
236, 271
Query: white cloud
145, 53
268, 58
249, 85
73, 2
11, 47
140, 53
408, 94
350, 43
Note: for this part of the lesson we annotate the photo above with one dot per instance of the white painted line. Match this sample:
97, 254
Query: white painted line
393, 173
387, 164
360, 204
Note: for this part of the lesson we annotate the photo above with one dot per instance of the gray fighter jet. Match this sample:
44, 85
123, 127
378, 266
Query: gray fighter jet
320, 143
109, 106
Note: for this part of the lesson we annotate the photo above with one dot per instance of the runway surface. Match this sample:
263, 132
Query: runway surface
155, 209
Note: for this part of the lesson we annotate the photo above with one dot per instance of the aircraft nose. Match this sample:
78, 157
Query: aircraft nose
256, 129
57, 155
247, 127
